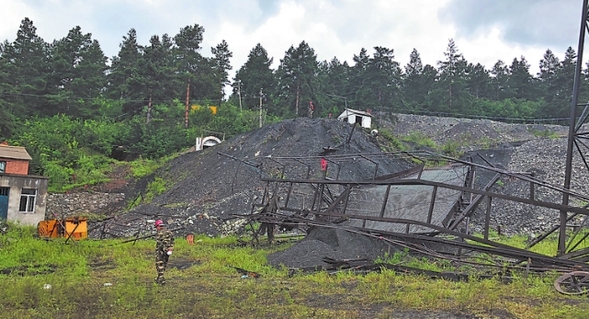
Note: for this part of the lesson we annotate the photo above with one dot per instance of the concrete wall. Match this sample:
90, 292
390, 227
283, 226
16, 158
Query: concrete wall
16, 183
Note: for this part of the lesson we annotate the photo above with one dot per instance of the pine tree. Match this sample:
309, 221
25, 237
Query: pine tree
478, 81
565, 74
296, 75
254, 75
336, 83
189, 61
78, 74
222, 66
415, 88
499, 76
560, 91
358, 86
125, 82
451, 91
520, 83
6, 90
547, 76
158, 73
27, 66
383, 76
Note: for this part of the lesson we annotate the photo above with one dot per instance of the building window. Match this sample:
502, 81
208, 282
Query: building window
27, 200
2, 167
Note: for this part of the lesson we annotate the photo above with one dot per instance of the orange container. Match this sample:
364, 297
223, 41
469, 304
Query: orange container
77, 227
48, 229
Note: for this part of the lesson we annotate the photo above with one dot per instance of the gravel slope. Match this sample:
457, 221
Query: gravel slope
538, 149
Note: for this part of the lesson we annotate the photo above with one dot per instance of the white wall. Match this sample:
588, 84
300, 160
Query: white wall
350, 117
16, 183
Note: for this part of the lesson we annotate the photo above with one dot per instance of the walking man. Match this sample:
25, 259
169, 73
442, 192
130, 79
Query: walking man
164, 245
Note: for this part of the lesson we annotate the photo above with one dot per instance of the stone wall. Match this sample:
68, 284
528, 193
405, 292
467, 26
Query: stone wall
81, 204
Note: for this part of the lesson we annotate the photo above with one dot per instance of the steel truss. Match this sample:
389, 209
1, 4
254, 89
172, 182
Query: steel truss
326, 201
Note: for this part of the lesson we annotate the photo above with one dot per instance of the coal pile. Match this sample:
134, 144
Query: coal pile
207, 189
326, 243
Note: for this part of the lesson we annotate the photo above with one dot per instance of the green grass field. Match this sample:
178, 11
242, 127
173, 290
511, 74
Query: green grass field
113, 279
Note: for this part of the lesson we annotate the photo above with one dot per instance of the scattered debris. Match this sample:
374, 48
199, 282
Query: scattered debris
573, 283
246, 273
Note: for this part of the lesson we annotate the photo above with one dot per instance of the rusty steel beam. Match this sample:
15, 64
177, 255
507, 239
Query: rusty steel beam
422, 182
572, 127
469, 210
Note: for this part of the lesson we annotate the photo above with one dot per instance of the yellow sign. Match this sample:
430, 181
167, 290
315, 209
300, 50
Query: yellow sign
196, 107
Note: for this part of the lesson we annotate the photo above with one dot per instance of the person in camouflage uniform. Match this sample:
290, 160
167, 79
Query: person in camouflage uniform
164, 245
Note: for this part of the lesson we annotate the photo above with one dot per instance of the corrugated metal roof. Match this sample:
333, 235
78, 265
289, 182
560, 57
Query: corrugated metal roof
14, 152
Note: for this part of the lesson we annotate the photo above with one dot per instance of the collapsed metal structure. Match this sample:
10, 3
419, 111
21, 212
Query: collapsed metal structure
430, 210
425, 210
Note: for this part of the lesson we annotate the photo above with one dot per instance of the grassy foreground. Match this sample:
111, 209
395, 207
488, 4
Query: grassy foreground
113, 279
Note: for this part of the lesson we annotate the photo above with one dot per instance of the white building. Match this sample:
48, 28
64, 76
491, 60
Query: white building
364, 119
23, 197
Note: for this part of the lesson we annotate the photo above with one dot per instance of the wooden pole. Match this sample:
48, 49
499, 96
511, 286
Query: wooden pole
187, 104
261, 97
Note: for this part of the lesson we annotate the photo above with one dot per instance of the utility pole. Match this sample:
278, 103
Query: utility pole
187, 104
149, 106
221, 96
261, 99
239, 94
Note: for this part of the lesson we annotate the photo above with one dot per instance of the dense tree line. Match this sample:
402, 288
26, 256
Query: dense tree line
145, 96
378, 82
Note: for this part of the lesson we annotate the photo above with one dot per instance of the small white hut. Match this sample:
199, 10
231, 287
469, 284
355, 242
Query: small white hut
351, 116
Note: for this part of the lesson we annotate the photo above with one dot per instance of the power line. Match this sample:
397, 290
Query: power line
74, 98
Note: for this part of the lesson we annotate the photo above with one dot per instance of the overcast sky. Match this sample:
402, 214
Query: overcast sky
484, 30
